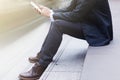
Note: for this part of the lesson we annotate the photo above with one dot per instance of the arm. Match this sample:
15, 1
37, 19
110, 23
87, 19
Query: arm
78, 13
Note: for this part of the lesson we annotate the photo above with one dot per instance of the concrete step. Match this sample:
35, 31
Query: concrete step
68, 63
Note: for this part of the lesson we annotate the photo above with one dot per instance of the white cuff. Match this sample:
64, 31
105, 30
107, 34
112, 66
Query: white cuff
51, 15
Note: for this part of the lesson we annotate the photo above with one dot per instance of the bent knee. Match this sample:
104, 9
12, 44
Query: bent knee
57, 24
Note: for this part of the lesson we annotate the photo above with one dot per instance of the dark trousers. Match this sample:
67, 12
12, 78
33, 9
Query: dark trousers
54, 38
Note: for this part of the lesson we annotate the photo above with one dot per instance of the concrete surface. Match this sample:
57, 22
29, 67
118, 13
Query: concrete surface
68, 64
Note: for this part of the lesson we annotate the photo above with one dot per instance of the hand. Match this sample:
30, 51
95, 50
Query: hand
45, 11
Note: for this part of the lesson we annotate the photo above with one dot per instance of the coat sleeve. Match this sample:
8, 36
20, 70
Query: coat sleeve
78, 13
69, 8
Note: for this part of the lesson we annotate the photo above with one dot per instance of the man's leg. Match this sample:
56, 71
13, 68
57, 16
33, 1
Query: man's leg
54, 38
51, 45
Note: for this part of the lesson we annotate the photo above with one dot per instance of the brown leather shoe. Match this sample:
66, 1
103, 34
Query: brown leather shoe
34, 74
34, 59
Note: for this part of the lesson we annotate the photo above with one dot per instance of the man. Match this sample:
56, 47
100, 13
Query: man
84, 19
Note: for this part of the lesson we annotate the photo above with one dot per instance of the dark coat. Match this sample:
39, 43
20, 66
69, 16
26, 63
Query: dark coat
95, 17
